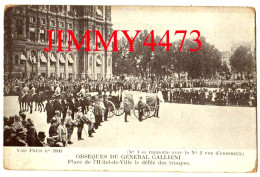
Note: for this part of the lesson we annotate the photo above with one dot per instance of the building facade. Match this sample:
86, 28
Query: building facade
26, 36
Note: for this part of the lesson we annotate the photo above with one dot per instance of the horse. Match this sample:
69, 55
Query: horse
25, 102
39, 99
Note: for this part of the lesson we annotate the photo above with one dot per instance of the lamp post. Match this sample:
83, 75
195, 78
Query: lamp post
150, 62
33, 62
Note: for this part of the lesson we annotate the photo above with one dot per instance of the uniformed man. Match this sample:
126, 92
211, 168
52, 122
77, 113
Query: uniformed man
80, 123
126, 108
82, 92
25, 90
106, 105
33, 91
140, 109
69, 123
97, 113
159, 98
91, 121
57, 91
62, 133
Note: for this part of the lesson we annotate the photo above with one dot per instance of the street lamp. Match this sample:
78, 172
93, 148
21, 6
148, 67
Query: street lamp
33, 62
151, 60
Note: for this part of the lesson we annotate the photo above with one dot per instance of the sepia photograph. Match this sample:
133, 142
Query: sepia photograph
130, 88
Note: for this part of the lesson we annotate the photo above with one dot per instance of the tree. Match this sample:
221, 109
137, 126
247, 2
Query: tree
242, 60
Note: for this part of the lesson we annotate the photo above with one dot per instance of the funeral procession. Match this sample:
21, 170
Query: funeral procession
140, 94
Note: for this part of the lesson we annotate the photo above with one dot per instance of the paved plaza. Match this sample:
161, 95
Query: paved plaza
179, 126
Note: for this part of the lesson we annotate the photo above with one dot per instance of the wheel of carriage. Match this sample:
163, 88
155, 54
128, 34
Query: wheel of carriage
111, 109
152, 111
147, 112
119, 110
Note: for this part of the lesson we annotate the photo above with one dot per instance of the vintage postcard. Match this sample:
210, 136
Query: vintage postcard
130, 88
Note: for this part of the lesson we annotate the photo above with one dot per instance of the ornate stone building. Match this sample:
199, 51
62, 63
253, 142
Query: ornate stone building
25, 37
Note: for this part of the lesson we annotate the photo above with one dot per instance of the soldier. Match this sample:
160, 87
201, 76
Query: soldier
91, 121
97, 113
126, 108
140, 109
62, 133
82, 92
57, 91
25, 90
106, 105
49, 110
69, 123
159, 98
80, 123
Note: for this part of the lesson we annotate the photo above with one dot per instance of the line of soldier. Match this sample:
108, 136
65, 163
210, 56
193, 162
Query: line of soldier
204, 96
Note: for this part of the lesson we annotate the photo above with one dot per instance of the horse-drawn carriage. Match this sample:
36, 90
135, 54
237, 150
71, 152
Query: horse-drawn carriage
116, 105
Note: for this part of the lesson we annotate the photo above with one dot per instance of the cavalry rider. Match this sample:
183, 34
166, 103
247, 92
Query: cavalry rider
57, 91
25, 90
33, 92
82, 92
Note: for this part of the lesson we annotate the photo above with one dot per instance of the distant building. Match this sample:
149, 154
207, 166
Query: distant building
225, 56
25, 37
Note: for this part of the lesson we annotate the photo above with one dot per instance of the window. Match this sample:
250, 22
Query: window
42, 35
70, 25
52, 8
43, 21
19, 28
54, 37
52, 23
60, 9
33, 19
32, 34
61, 24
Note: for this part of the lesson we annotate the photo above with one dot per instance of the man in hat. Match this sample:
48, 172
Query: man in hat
53, 132
82, 92
140, 109
80, 123
69, 123
106, 105
57, 91
62, 133
126, 108
49, 110
17, 122
20, 138
159, 98
91, 121
98, 114
41, 137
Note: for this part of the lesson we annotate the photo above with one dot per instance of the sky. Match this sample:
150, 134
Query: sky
223, 27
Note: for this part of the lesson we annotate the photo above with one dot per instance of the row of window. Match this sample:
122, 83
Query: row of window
32, 19
17, 60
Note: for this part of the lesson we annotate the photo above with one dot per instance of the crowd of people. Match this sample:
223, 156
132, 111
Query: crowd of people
69, 104
19, 131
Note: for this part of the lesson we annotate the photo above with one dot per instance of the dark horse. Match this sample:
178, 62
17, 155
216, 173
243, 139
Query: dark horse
39, 99
25, 102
